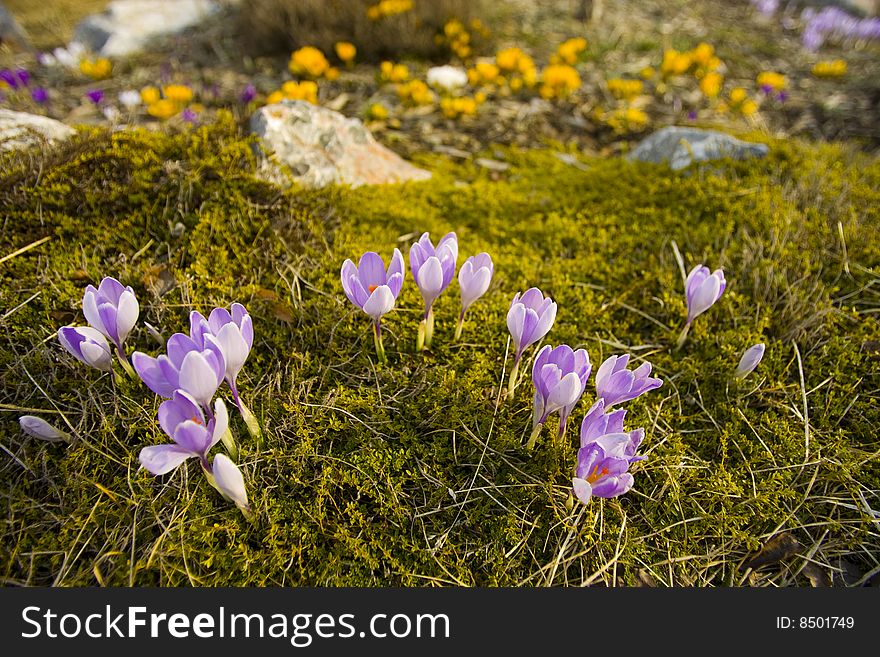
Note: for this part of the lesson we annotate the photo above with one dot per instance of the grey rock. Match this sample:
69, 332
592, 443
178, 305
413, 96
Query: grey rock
11, 31
20, 130
322, 147
682, 146
127, 26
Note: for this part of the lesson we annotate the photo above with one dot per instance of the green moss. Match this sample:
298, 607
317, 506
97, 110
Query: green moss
408, 473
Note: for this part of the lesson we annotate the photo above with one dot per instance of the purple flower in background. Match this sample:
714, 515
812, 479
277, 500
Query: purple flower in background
833, 22
39, 428
87, 345
433, 271
183, 420
113, 310
702, 289
373, 289
189, 115
95, 95
473, 280
766, 7
749, 361
248, 94
615, 384
196, 371
560, 377
23, 76
40, 95
529, 319
9, 78
692, 115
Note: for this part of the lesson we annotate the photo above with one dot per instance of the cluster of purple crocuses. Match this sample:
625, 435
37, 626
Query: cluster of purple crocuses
187, 375
19, 81
825, 23
374, 289
560, 376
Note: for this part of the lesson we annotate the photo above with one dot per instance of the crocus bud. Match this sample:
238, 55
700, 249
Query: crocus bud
749, 360
39, 428
702, 290
474, 278
529, 319
87, 345
230, 481
560, 376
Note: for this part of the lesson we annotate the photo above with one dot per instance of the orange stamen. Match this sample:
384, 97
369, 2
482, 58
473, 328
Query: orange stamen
195, 419
372, 288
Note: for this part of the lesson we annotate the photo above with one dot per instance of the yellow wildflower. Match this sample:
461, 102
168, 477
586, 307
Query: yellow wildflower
559, 81
345, 51
306, 90
771, 81
389, 72
833, 68
570, 51
415, 92
178, 93
647, 73
274, 97
97, 69
674, 63
454, 108
377, 112
150, 95
740, 102
626, 119
308, 62
386, 8
625, 89
711, 84
163, 109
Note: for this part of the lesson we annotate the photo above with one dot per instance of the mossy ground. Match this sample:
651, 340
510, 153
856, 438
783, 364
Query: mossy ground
411, 473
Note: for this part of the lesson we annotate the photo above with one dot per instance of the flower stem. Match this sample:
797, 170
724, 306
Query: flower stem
377, 338
429, 327
535, 433
250, 421
683, 336
123, 360
563, 425
458, 327
511, 381
420, 336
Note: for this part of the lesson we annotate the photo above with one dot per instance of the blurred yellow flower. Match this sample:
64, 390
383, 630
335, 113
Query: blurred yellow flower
711, 84
389, 72
306, 90
484, 73
308, 62
625, 89
454, 108
833, 68
770, 81
647, 73
150, 95
178, 93
569, 51
386, 8
741, 103
415, 92
674, 63
345, 51
559, 81
514, 60
331, 74
97, 69
626, 119
163, 109
377, 112
274, 97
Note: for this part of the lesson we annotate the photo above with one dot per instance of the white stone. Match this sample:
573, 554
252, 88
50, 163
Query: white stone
682, 146
20, 129
127, 26
322, 147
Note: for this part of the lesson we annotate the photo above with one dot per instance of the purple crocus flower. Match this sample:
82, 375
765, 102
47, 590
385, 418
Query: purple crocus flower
702, 289
602, 468
39, 95
230, 482
597, 424
373, 289
95, 95
560, 377
9, 78
749, 360
39, 428
187, 367
433, 271
183, 419
190, 116
113, 310
23, 76
248, 94
87, 345
616, 384
529, 319
474, 278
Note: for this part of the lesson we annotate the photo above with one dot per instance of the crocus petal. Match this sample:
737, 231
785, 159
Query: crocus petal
96, 355
192, 437
473, 283
235, 349
243, 320
380, 302
90, 310
566, 392
161, 459
704, 297
371, 269
111, 290
229, 480
430, 279
126, 314
582, 489
180, 408
151, 374
749, 360
198, 377
219, 318
515, 323
221, 422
